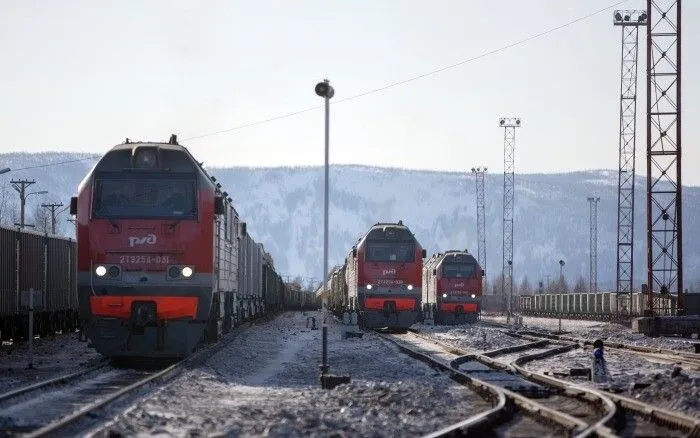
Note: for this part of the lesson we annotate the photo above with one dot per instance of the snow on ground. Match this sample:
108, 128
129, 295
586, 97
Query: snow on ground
603, 330
266, 383
470, 336
53, 356
669, 387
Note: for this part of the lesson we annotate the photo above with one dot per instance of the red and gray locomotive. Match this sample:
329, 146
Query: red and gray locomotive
452, 285
163, 261
383, 277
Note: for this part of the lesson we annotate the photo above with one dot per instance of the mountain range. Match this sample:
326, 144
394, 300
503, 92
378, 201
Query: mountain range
283, 207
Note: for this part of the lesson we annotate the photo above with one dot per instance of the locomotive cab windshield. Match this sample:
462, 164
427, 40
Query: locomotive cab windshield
156, 195
453, 270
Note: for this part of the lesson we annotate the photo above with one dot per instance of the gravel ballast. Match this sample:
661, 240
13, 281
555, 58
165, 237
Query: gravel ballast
266, 383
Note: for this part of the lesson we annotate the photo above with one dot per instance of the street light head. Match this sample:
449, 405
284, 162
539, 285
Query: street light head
517, 121
642, 17
324, 89
618, 16
5, 170
502, 122
473, 170
561, 263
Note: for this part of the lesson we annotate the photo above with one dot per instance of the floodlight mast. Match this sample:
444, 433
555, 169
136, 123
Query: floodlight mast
509, 124
629, 20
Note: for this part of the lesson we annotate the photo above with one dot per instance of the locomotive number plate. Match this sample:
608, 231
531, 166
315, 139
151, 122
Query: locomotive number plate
145, 259
388, 282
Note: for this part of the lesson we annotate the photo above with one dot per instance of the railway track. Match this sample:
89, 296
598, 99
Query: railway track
687, 360
628, 417
521, 408
56, 407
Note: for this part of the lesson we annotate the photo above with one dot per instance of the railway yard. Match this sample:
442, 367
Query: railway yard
262, 379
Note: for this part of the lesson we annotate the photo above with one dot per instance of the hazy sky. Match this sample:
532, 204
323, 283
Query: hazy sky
83, 75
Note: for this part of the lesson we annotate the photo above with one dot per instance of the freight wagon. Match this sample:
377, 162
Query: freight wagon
600, 305
46, 264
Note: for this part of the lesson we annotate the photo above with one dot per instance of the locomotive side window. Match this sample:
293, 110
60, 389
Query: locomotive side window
390, 251
458, 271
163, 196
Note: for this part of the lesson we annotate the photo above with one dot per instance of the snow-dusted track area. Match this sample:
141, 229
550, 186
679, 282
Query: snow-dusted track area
654, 382
53, 357
266, 382
603, 330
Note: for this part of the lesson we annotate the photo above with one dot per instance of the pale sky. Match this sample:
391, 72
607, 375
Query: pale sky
83, 75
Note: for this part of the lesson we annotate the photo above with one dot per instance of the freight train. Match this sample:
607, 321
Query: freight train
42, 264
164, 261
380, 280
452, 288
595, 306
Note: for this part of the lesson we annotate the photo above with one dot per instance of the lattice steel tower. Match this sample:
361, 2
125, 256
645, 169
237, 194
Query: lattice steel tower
593, 245
664, 213
509, 124
630, 22
480, 215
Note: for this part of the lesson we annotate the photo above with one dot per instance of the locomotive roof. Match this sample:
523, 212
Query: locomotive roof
463, 256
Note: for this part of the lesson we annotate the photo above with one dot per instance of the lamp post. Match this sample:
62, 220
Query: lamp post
324, 89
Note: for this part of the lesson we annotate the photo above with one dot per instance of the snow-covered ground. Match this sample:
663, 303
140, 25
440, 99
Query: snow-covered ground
669, 388
53, 356
602, 330
266, 382
470, 336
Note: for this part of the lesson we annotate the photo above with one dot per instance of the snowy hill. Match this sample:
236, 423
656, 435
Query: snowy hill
284, 209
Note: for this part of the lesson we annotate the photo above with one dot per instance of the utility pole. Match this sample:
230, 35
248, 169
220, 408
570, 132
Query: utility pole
21, 186
53, 208
629, 21
593, 245
509, 125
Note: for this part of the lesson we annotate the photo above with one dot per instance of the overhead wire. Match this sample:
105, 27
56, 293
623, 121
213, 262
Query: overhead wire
372, 91
415, 78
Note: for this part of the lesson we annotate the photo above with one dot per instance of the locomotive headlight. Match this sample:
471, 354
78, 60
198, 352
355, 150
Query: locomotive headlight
409, 287
100, 271
473, 296
187, 272
369, 287
444, 295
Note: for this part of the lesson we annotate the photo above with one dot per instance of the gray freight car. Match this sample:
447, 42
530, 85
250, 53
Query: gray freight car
250, 262
45, 264
600, 305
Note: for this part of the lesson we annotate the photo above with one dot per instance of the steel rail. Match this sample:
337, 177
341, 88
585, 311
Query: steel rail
53, 381
592, 396
166, 374
523, 403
